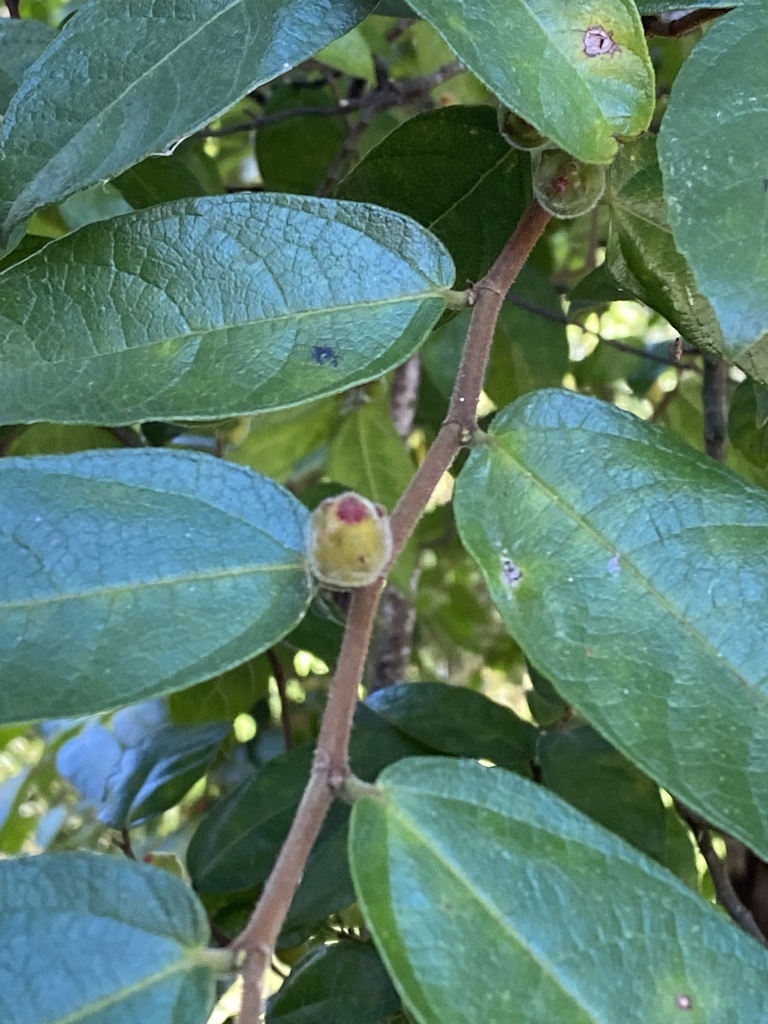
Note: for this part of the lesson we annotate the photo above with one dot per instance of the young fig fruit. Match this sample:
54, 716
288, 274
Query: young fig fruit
565, 186
350, 541
518, 132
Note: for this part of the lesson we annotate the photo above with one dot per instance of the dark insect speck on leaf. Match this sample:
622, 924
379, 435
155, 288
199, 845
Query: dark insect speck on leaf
324, 355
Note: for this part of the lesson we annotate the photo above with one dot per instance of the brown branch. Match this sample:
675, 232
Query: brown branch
714, 396
330, 767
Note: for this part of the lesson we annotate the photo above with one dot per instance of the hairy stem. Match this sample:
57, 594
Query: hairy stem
330, 769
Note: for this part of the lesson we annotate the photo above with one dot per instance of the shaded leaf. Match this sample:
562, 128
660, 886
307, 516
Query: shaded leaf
600, 537
294, 155
556, 920
117, 942
451, 171
586, 771
303, 297
345, 983
712, 155
130, 574
455, 720
222, 698
580, 77
121, 82
641, 255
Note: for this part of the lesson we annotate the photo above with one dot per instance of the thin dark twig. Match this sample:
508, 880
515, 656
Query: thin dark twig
726, 895
620, 346
285, 710
714, 396
13, 8
392, 94
124, 843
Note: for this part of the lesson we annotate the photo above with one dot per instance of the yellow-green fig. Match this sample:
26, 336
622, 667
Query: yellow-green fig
350, 541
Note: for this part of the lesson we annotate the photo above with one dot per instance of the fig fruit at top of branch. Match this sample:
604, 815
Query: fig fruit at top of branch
565, 186
350, 541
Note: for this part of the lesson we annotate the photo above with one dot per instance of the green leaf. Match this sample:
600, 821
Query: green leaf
746, 427
345, 983
633, 572
236, 844
491, 900
455, 720
368, 455
303, 297
222, 698
586, 771
121, 82
185, 173
450, 170
131, 574
277, 441
712, 154
294, 155
641, 255
21, 43
351, 55
117, 942
580, 77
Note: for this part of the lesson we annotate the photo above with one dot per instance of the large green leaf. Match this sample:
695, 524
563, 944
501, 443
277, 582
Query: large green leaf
130, 574
215, 306
122, 82
451, 171
633, 572
641, 255
581, 76
21, 43
492, 900
712, 154
101, 940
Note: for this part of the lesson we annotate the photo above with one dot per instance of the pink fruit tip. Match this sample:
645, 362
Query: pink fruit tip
351, 509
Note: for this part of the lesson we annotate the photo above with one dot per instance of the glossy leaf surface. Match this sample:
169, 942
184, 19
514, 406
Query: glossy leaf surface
556, 920
302, 297
580, 76
121, 82
599, 537
116, 942
21, 43
712, 154
191, 565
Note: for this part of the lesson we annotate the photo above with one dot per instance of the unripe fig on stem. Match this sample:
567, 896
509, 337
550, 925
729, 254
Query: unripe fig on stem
565, 186
518, 132
350, 541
